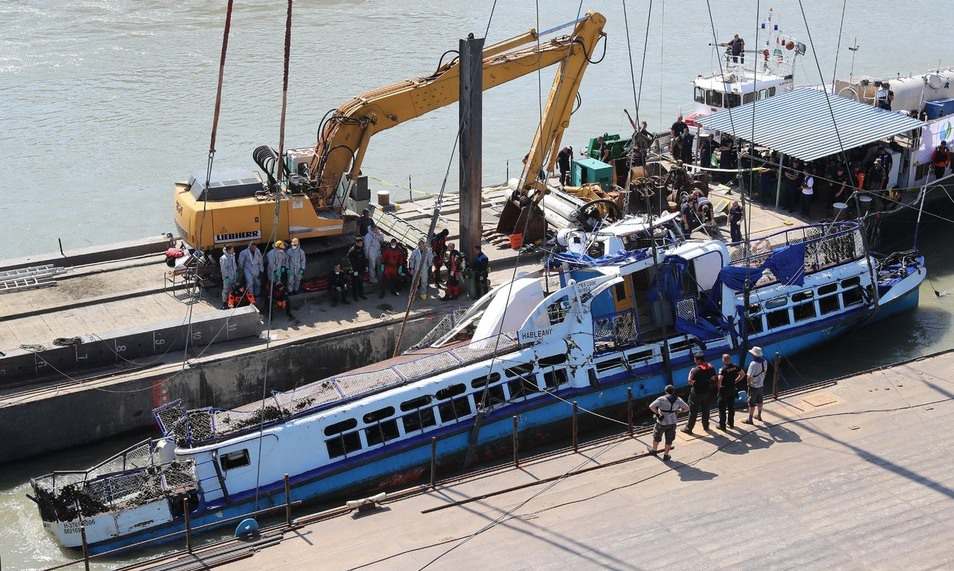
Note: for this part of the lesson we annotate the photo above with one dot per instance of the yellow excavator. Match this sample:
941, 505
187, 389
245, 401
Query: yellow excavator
305, 193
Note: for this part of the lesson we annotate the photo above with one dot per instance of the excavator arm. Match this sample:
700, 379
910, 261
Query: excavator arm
344, 136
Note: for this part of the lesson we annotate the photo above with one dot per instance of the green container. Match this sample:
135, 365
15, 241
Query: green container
586, 171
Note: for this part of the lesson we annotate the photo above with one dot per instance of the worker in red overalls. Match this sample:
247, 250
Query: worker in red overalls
391, 264
455, 263
438, 249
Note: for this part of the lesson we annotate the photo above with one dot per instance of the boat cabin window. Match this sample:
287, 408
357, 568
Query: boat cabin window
556, 311
852, 296
803, 295
804, 311
522, 387
481, 381
418, 420
850, 282
732, 100
233, 460
382, 431
377, 415
776, 303
828, 304
415, 404
342, 426
748, 97
553, 361
778, 318
520, 370
827, 289
699, 94
454, 409
555, 378
451, 391
343, 444
713, 98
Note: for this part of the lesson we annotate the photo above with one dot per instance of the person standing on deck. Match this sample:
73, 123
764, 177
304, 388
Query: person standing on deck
251, 264
729, 375
736, 216
676, 131
564, 158
372, 250
277, 263
736, 48
359, 265
756, 379
702, 384
808, 194
438, 249
454, 269
665, 409
229, 270
365, 222
296, 266
391, 262
941, 160
481, 268
420, 262
339, 286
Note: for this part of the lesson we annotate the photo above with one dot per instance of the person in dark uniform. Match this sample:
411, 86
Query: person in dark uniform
480, 266
736, 215
359, 266
564, 158
736, 48
729, 376
365, 222
339, 286
702, 385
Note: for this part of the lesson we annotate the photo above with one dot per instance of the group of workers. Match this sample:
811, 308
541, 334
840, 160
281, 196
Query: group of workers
705, 386
392, 267
282, 268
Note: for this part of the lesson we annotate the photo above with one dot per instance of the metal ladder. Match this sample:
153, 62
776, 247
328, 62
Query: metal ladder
28, 278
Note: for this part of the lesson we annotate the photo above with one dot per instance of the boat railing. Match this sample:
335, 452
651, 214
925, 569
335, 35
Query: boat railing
826, 246
197, 426
65, 495
443, 327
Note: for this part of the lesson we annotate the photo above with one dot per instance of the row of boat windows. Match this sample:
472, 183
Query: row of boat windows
801, 306
448, 405
715, 98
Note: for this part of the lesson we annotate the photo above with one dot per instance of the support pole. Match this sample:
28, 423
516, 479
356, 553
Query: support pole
85, 545
629, 410
188, 523
775, 372
433, 462
471, 141
778, 183
516, 442
576, 409
288, 515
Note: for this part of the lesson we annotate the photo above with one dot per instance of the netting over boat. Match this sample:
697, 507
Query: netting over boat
129, 479
190, 427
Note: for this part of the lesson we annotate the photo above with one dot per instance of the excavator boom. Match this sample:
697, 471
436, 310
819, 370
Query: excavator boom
344, 136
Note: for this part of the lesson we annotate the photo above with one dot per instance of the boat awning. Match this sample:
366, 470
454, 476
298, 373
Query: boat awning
798, 123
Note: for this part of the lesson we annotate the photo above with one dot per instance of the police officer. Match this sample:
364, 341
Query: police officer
702, 385
359, 265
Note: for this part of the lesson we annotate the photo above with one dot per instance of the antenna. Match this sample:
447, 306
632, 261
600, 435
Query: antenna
853, 48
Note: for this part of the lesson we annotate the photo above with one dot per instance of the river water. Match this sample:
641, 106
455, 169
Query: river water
105, 103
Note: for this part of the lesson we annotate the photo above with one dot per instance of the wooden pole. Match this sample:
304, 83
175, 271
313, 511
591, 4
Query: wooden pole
516, 442
188, 523
629, 410
778, 362
576, 408
433, 462
470, 110
288, 506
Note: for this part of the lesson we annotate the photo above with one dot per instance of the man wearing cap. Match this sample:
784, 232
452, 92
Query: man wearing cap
296, 265
756, 379
666, 408
702, 385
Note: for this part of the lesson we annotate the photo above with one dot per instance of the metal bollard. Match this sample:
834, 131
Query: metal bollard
629, 410
516, 442
575, 409
288, 515
775, 376
508, 171
410, 191
188, 523
85, 545
433, 462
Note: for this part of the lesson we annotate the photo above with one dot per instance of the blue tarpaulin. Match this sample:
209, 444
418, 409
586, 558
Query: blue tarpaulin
786, 263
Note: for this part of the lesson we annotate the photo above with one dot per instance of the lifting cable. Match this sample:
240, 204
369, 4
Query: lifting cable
271, 245
208, 168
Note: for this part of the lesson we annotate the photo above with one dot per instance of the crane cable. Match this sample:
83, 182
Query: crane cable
208, 168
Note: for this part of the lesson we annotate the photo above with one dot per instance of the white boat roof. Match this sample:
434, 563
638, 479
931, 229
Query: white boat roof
738, 81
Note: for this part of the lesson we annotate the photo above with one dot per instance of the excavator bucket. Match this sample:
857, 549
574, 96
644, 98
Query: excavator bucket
508, 217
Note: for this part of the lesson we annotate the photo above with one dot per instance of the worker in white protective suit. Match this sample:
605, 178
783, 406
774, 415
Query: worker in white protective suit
277, 263
229, 270
251, 263
296, 266
372, 251
421, 260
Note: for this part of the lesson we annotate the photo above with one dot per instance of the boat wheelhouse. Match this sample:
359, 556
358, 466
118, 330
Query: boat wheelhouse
627, 324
